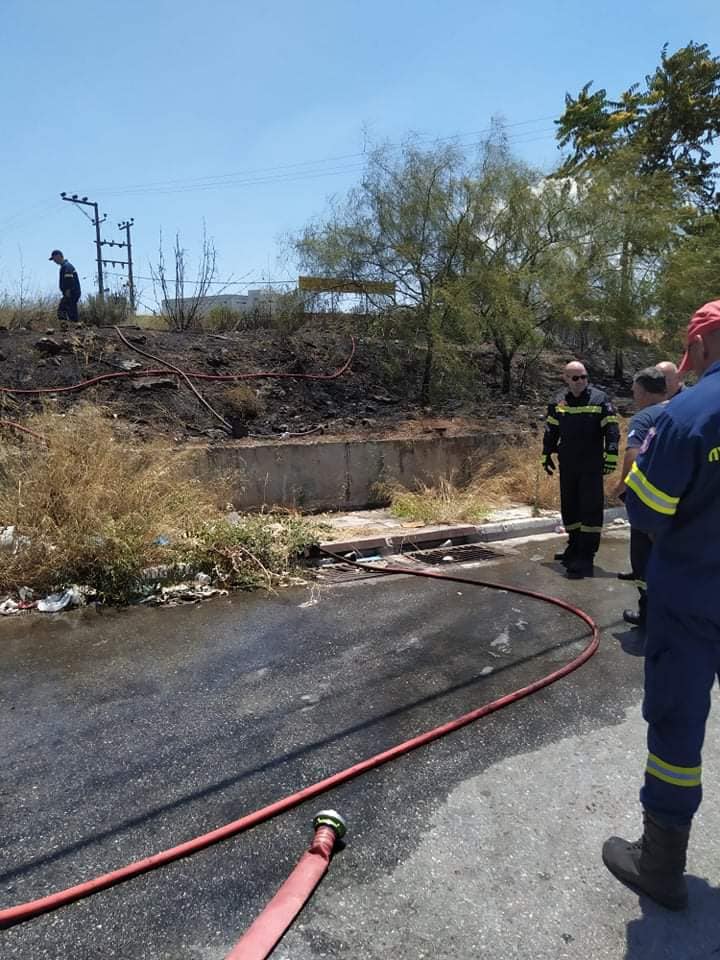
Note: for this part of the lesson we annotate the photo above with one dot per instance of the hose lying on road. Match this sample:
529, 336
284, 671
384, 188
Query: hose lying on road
34, 908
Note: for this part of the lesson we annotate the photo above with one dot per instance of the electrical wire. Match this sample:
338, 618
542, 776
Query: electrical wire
287, 173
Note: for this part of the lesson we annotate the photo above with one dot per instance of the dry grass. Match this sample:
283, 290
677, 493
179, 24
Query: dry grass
445, 503
34, 313
509, 475
92, 507
241, 400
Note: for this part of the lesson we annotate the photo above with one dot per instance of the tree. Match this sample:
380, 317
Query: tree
690, 274
669, 125
520, 275
404, 223
632, 222
181, 299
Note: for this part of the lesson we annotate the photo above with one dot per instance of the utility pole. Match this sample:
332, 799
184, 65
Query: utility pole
125, 225
84, 202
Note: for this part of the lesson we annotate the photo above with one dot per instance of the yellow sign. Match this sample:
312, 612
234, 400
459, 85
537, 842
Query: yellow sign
342, 285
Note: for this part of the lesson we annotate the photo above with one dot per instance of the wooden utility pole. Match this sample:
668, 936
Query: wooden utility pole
96, 221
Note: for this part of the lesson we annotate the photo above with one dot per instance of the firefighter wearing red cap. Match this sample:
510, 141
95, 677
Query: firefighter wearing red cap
674, 495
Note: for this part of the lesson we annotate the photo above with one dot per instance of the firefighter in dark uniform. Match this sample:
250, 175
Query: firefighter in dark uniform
582, 428
69, 288
649, 392
674, 495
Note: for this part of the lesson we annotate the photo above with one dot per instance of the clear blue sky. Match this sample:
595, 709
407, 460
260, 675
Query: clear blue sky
103, 98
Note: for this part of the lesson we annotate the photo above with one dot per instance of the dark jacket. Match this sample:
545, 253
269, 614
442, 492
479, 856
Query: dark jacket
582, 430
674, 494
69, 281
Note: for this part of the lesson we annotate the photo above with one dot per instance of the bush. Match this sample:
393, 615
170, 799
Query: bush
115, 308
223, 320
257, 550
93, 507
241, 401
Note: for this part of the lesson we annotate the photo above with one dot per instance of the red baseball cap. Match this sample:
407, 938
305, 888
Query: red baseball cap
704, 320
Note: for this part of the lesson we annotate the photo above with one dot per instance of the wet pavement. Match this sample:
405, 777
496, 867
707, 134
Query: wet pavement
127, 732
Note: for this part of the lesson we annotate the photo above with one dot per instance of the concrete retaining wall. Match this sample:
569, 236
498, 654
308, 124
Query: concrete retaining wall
332, 474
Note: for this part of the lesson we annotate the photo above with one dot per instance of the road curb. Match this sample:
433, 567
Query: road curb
462, 533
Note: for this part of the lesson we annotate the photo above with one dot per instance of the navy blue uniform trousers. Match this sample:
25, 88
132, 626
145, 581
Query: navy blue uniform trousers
68, 309
682, 662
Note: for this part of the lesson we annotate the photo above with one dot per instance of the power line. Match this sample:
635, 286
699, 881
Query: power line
290, 178
220, 283
294, 171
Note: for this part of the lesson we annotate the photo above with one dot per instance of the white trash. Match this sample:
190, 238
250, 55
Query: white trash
55, 602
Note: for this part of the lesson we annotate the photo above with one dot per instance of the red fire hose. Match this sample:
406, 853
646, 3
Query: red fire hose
34, 908
192, 374
260, 939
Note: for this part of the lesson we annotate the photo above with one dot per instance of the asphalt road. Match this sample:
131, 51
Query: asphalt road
124, 733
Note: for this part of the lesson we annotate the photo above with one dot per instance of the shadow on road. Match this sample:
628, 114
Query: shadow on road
632, 642
693, 934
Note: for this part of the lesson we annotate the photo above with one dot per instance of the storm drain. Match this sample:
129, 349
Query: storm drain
465, 553
339, 572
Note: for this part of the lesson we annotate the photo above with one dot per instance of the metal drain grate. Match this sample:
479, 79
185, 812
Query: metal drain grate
465, 553
339, 572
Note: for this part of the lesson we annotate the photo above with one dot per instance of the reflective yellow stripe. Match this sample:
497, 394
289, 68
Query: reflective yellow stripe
585, 529
553, 421
589, 409
606, 420
649, 494
641, 584
611, 457
674, 775
572, 526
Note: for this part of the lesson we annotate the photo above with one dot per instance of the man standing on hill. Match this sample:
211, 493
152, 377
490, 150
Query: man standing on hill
649, 392
582, 428
674, 495
69, 288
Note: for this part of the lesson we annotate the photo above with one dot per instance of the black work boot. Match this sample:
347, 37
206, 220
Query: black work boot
635, 619
654, 864
565, 556
579, 568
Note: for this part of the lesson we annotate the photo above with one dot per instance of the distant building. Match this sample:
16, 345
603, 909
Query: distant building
260, 301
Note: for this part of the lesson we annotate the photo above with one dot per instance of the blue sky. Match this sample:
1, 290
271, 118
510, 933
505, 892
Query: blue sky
140, 104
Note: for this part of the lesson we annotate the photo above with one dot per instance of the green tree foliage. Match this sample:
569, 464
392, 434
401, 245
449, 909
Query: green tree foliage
403, 223
632, 223
521, 269
669, 124
691, 273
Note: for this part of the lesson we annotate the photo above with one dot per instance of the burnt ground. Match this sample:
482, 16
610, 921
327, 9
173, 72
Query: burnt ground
379, 394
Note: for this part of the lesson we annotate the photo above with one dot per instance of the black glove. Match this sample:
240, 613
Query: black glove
548, 465
610, 463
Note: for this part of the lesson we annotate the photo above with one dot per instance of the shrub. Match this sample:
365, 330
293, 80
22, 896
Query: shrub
92, 506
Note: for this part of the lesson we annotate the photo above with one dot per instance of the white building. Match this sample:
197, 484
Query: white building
259, 300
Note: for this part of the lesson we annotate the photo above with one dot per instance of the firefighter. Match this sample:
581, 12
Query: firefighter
649, 392
67, 310
582, 428
673, 378
674, 495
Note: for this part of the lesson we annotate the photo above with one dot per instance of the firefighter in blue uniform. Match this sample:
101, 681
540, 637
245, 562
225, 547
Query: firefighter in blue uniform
69, 288
674, 495
582, 428
650, 389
